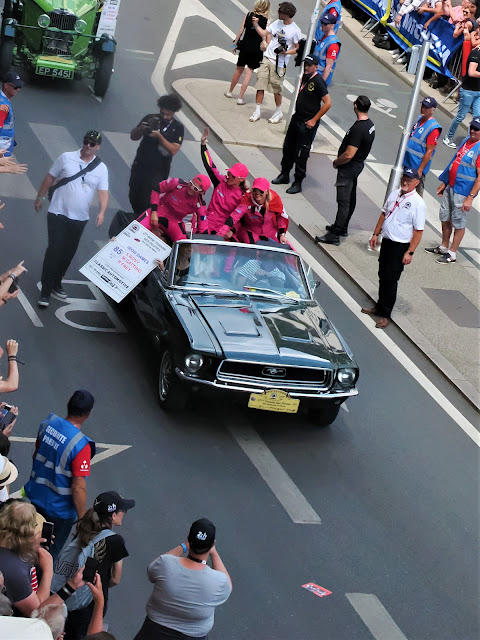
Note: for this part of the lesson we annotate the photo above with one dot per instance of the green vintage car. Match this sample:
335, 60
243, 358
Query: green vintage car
58, 39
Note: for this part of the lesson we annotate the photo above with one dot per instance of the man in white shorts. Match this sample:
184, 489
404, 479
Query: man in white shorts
282, 38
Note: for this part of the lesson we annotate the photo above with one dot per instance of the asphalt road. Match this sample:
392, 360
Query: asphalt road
394, 481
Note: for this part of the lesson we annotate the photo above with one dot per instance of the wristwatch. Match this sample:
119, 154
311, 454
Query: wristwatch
472, 195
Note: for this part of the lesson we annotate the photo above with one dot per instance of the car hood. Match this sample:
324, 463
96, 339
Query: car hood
297, 333
78, 7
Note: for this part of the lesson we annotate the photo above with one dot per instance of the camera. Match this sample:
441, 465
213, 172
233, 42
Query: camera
282, 45
153, 124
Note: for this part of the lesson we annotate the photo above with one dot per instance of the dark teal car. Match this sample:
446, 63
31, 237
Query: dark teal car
242, 318
58, 39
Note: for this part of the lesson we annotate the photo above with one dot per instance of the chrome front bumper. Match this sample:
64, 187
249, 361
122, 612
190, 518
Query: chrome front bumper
297, 392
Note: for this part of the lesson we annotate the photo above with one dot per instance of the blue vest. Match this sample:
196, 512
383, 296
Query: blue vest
337, 5
50, 484
417, 145
8, 129
321, 52
467, 171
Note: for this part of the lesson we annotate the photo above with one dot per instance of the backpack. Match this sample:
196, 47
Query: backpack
71, 558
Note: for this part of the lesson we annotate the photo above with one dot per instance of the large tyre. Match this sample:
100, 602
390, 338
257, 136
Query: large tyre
324, 416
6, 54
172, 393
103, 74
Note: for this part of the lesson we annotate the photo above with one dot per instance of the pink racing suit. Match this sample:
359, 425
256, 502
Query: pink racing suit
221, 212
256, 223
173, 203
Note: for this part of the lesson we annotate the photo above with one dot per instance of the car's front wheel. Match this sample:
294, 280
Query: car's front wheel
172, 393
323, 416
103, 74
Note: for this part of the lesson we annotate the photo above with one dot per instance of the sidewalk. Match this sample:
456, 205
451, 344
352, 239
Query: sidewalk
437, 306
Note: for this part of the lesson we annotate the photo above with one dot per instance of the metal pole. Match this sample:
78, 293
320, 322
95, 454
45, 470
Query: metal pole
412, 111
306, 51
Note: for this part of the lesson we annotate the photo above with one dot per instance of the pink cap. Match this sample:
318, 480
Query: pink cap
239, 170
202, 181
261, 183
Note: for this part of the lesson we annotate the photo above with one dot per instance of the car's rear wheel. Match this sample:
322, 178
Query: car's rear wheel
103, 74
6, 54
324, 416
172, 393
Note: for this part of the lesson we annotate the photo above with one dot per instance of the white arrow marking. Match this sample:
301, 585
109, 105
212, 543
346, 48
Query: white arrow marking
383, 84
205, 54
345, 408
375, 616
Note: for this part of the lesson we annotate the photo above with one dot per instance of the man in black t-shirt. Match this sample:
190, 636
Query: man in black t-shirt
161, 137
312, 103
352, 154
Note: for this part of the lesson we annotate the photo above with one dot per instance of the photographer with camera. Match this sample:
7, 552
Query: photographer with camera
282, 38
161, 137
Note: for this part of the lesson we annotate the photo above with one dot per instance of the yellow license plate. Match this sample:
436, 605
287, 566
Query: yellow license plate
273, 400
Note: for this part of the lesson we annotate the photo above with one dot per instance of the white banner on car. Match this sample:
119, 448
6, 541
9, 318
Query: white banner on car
108, 18
125, 261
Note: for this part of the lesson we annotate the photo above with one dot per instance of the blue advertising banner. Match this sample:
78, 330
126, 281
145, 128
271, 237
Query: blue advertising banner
440, 33
378, 9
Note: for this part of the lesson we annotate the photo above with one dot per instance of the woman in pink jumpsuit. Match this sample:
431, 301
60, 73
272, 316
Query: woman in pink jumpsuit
227, 193
174, 200
261, 215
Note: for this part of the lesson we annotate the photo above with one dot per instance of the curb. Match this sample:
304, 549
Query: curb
468, 391
425, 89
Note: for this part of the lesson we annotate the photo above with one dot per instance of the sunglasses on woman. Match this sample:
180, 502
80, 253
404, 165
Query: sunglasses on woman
196, 187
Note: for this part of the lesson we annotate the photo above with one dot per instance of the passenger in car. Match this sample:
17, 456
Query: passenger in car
262, 215
228, 190
172, 203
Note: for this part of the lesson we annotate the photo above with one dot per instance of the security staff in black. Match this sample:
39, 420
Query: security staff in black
350, 161
161, 137
313, 102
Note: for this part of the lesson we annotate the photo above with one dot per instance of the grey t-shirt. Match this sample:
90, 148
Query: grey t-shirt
185, 599
17, 575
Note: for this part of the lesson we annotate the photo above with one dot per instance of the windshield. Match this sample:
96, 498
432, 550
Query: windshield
237, 269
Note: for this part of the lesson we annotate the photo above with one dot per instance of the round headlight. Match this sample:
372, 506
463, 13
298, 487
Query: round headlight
346, 377
80, 26
193, 362
43, 21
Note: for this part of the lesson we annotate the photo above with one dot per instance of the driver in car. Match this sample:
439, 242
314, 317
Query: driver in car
261, 274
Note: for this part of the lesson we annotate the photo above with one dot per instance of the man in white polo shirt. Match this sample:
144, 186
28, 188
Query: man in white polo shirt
75, 177
401, 224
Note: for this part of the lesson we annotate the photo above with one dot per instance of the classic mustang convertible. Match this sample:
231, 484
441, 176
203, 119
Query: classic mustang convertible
242, 318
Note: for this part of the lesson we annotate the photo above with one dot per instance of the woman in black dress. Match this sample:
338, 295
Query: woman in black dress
248, 43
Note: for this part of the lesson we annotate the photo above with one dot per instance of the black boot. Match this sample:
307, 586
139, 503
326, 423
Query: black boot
295, 188
282, 178
328, 238
331, 227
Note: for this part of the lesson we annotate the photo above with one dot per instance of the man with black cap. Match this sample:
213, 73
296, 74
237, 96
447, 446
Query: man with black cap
61, 464
11, 85
313, 101
349, 163
422, 142
74, 178
328, 46
460, 186
401, 224
186, 590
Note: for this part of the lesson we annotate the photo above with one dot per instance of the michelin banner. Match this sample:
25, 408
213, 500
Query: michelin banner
440, 32
378, 9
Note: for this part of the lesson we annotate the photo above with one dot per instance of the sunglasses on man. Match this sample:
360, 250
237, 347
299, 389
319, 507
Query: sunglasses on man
14, 86
88, 142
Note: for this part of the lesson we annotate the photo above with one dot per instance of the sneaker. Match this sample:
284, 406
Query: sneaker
275, 119
59, 293
241, 101
255, 116
445, 259
43, 301
228, 94
435, 250
449, 143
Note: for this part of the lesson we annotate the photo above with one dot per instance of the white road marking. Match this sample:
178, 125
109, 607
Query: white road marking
29, 310
474, 255
383, 84
17, 186
125, 147
150, 53
204, 54
390, 345
344, 407
375, 616
285, 490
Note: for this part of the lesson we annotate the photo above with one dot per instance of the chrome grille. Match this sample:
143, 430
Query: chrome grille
56, 43
268, 375
63, 21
